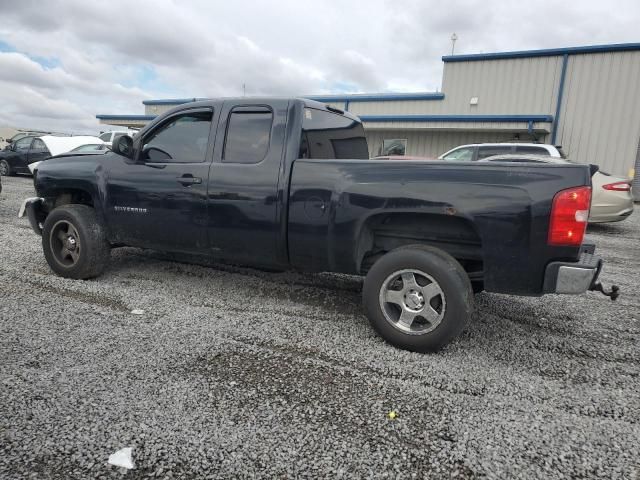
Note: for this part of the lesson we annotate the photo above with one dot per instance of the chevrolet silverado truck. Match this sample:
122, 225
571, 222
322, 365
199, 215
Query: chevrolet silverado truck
288, 184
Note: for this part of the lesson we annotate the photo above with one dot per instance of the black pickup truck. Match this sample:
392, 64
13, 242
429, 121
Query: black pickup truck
287, 184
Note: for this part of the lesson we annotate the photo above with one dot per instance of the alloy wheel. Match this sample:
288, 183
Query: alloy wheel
412, 301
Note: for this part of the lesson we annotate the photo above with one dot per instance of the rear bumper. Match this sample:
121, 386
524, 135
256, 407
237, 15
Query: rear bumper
611, 207
573, 277
32, 207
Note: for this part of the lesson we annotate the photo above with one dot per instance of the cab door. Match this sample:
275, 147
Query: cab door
18, 160
244, 201
158, 199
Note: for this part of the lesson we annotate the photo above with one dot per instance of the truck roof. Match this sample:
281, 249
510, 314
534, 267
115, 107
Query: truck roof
266, 100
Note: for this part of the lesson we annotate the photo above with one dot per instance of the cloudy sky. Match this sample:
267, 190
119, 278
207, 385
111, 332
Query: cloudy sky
63, 62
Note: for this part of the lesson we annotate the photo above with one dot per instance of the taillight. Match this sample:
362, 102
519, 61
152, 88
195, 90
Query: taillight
618, 186
569, 215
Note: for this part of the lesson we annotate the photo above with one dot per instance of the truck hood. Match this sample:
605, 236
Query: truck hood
68, 156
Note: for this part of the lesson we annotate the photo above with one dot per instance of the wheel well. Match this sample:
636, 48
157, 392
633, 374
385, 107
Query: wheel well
455, 235
69, 196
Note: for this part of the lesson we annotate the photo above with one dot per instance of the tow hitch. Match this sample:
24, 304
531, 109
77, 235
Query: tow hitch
614, 293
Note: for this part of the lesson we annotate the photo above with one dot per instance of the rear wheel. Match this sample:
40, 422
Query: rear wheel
74, 242
418, 298
5, 168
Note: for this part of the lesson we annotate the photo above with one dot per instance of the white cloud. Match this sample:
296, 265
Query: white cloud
107, 57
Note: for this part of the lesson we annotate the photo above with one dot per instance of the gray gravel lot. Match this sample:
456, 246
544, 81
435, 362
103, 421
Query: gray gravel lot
233, 372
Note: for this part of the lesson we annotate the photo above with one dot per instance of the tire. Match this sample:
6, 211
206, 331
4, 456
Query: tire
425, 314
5, 169
74, 242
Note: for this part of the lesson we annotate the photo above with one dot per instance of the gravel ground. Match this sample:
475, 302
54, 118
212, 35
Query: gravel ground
233, 372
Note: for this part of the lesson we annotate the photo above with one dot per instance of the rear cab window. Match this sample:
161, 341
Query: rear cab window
328, 135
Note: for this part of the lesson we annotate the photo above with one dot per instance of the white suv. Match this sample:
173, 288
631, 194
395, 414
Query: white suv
478, 151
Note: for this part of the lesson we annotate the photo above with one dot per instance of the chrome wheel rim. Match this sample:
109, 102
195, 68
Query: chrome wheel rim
65, 243
4, 170
412, 301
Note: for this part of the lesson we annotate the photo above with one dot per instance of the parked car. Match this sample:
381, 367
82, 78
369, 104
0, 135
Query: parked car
611, 199
33, 150
287, 183
478, 151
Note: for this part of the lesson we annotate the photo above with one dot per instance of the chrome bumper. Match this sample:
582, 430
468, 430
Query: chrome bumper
32, 207
573, 278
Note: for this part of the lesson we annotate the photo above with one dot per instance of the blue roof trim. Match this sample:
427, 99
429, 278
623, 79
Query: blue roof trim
171, 101
376, 97
549, 52
457, 118
126, 117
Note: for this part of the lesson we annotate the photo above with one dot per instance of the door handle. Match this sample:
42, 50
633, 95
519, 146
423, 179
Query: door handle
188, 180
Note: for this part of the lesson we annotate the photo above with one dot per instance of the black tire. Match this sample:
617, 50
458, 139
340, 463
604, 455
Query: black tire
5, 168
87, 255
453, 305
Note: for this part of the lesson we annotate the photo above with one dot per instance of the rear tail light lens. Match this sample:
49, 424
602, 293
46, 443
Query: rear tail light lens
618, 186
569, 215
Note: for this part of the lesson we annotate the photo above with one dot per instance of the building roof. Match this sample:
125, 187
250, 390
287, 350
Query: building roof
457, 118
171, 101
126, 117
549, 52
376, 97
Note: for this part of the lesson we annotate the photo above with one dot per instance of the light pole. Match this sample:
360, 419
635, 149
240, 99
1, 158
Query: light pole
454, 37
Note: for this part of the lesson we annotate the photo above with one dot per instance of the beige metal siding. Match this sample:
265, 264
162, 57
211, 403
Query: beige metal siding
512, 86
433, 144
600, 115
400, 107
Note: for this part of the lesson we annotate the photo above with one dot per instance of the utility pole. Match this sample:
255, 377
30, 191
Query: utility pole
454, 37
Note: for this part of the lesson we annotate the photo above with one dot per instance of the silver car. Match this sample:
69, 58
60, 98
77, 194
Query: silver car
611, 197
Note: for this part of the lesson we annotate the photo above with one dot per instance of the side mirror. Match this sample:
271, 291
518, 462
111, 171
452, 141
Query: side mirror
123, 146
9, 140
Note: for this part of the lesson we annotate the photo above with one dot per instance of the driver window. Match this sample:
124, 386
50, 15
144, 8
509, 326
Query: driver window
181, 139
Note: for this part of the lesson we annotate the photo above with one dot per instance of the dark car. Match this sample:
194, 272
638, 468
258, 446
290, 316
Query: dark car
29, 151
20, 153
288, 184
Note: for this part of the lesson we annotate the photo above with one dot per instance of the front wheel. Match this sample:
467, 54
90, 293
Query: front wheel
74, 242
418, 298
5, 168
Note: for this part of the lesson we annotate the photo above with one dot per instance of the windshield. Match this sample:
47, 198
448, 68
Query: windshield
18, 136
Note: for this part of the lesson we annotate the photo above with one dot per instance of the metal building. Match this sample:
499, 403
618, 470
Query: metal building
586, 99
